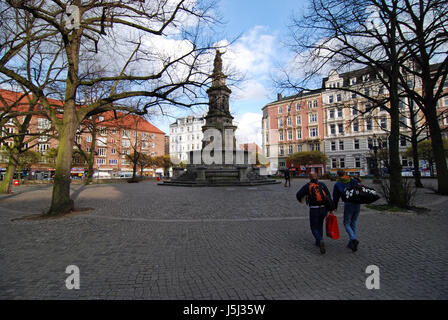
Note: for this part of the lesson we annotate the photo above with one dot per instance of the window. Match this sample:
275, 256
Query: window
281, 150
340, 115
290, 151
317, 147
102, 152
313, 117
403, 141
113, 131
43, 147
100, 161
100, 118
369, 124
333, 146
102, 131
113, 162
339, 97
403, 122
289, 121
299, 133
144, 145
314, 132
355, 126
126, 133
145, 136
353, 81
334, 163
357, 162
342, 162
43, 123
299, 120
77, 139
310, 105
341, 145
331, 114
298, 107
355, 110
314, 103
280, 123
280, 109
280, 136
383, 123
125, 143
330, 99
341, 128
354, 96
299, 148
113, 151
289, 108
333, 129
367, 92
356, 144
289, 134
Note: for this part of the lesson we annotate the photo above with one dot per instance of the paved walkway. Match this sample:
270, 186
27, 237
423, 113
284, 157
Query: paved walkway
142, 241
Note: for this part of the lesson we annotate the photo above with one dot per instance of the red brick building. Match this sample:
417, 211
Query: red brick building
115, 135
292, 124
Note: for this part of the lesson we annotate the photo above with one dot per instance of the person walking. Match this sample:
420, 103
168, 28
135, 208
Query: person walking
316, 195
351, 210
287, 177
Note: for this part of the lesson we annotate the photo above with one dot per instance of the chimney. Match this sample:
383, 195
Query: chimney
279, 96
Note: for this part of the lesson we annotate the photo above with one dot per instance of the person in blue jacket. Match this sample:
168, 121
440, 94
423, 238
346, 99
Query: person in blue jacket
318, 212
351, 210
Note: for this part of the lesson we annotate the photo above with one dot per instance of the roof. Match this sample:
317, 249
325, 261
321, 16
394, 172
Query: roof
128, 121
124, 120
300, 95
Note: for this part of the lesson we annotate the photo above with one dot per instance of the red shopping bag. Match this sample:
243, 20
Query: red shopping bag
332, 228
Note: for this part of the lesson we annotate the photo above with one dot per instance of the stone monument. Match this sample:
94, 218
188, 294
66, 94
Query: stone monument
219, 163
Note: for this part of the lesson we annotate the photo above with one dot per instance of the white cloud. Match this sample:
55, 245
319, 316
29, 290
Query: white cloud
249, 128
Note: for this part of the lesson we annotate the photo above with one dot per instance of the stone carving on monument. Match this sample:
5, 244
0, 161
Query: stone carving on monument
219, 162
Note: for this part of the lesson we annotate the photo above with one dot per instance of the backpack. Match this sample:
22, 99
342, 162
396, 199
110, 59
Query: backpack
318, 197
358, 193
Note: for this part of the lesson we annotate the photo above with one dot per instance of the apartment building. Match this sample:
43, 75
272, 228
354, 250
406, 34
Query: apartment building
292, 124
115, 135
186, 135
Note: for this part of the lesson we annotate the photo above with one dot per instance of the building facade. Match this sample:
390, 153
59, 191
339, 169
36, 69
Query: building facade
344, 125
185, 135
292, 124
112, 138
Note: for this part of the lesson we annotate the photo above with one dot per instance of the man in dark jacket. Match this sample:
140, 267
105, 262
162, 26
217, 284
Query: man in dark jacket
287, 177
351, 210
318, 211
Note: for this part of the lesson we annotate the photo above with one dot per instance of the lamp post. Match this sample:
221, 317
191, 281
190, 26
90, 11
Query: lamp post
374, 147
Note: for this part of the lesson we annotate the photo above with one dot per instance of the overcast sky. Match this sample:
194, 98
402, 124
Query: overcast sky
262, 25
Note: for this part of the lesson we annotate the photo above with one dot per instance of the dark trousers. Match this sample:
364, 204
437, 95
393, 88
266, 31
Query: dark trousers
287, 180
317, 217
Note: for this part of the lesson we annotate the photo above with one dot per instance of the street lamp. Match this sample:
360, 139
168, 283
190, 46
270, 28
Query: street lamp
375, 146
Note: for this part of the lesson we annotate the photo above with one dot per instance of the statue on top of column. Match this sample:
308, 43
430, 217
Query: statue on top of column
218, 77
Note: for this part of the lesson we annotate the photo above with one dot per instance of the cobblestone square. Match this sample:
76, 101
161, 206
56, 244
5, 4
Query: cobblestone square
143, 241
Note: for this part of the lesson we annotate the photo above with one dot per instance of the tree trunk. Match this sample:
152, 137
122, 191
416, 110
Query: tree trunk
60, 201
397, 197
5, 186
89, 171
438, 150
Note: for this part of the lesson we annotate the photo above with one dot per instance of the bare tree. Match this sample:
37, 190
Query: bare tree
130, 41
352, 34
